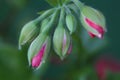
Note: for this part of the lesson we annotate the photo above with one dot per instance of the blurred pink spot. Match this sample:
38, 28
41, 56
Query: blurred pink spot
106, 64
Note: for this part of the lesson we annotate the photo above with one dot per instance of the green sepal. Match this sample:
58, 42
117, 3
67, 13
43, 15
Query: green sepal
58, 39
28, 33
68, 41
71, 22
82, 17
44, 24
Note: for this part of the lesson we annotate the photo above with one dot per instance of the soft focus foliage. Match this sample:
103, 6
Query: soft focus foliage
79, 65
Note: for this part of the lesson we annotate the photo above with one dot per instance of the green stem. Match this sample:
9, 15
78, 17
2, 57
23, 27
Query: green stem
52, 21
44, 15
67, 9
66, 2
62, 14
78, 3
60, 2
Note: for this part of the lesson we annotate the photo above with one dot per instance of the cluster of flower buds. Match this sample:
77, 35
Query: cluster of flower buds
56, 25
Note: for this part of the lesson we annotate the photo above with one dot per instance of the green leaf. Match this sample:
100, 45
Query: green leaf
53, 2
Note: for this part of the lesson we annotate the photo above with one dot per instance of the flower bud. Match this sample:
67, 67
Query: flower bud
36, 60
93, 21
28, 33
71, 23
38, 50
61, 41
31, 29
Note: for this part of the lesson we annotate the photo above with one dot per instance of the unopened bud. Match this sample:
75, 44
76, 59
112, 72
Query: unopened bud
38, 50
28, 33
61, 41
30, 30
71, 23
93, 21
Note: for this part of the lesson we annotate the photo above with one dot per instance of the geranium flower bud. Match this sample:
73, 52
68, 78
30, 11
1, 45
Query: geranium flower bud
28, 33
93, 21
39, 50
31, 29
36, 60
71, 23
61, 41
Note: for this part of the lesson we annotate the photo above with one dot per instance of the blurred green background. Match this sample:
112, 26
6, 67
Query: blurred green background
13, 63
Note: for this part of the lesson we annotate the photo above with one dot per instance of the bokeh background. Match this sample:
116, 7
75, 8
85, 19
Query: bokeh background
80, 65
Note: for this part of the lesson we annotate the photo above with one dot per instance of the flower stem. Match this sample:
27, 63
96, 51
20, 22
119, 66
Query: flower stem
62, 14
78, 3
50, 25
44, 15
67, 10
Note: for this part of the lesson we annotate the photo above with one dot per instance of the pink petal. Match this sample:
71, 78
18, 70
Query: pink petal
38, 58
91, 35
103, 65
96, 27
70, 48
64, 42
